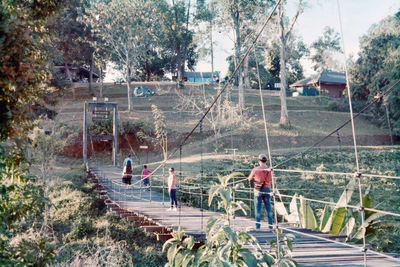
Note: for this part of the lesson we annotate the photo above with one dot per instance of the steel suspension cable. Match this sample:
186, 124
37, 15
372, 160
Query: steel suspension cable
340, 127
226, 85
269, 152
353, 132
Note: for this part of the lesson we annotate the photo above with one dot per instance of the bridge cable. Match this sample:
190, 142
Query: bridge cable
340, 127
227, 83
269, 151
353, 133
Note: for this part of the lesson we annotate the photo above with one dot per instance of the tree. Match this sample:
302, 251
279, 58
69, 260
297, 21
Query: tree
177, 39
224, 115
235, 12
324, 49
285, 30
24, 64
207, 13
160, 129
378, 67
23, 75
72, 38
125, 27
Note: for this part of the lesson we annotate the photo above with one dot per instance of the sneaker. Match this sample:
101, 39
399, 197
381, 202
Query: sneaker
169, 209
175, 209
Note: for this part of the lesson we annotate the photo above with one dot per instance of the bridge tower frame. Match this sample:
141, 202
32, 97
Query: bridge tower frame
114, 137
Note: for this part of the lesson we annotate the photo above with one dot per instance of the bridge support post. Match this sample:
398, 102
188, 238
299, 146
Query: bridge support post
115, 134
100, 113
85, 135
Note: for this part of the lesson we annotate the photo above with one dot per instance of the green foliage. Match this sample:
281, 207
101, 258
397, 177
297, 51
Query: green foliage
307, 217
23, 62
224, 246
160, 129
377, 68
21, 198
323, 50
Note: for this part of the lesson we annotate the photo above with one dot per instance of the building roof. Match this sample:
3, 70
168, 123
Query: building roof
195, 74
80, 69
331, 77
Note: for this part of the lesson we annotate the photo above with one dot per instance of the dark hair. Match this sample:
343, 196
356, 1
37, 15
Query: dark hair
171, 169
129, 155
145, 166
129, 164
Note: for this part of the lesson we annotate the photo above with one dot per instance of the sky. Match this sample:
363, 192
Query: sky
357, 17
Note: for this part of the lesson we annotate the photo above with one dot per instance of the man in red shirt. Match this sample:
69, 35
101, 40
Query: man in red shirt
262, 188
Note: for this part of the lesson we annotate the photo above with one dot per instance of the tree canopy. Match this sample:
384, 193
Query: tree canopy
378, 67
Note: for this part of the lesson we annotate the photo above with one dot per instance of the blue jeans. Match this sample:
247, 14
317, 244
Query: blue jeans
172, 196
259, 197
146, 181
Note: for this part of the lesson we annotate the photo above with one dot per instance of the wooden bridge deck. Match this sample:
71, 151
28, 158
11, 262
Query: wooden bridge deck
307, 251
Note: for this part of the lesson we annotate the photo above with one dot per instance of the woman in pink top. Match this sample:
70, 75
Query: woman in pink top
172, 189
145, 175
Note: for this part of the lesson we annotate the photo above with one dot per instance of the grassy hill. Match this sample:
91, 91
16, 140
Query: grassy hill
310, 117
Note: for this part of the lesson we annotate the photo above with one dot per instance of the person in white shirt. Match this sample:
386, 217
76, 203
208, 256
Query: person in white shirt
172, 189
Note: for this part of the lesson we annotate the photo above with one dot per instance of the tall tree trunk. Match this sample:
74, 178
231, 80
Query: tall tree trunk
185, 46
212, 53
101, 80
246, 73
284, 120
68, 72
179, 63
128, 87
235, 18
91, 74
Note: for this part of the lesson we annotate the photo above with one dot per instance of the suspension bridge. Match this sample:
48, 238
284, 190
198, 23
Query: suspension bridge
147, 208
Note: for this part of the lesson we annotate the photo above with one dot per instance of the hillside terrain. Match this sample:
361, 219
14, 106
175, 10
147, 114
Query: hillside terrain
311, 118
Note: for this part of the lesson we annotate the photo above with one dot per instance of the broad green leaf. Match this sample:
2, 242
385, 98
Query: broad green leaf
210, 223
293, 204
189, 242
311, 221
372, 217
289, 244
268, 259
337, 220
307, 217
324, 217
293, 217
169, 241
188, 257
211, 193
171, 253
343, 201
178, 259
349, 226
346, 195
280, 208
231, 235
248, 257
242, 206
367, 203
